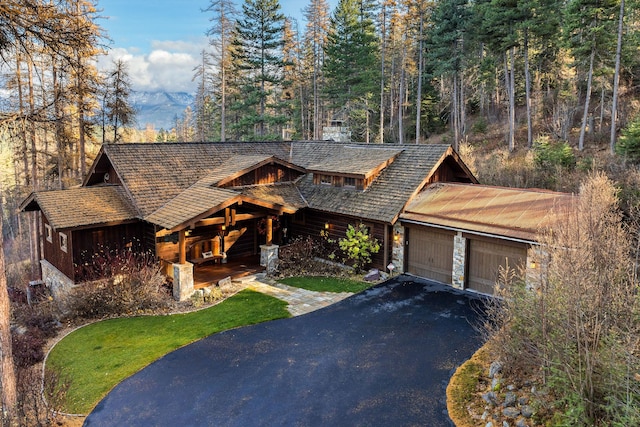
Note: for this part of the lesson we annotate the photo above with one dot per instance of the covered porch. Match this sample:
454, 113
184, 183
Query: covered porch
236, 268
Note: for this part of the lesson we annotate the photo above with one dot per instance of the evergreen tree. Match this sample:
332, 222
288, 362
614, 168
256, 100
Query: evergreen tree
446, 49
117, 111
351, 64
259, 63
590, 31
221, 34
317, 15
204, 103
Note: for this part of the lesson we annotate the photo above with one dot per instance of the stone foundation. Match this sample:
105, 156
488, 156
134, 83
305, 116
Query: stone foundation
182, 281
58, 284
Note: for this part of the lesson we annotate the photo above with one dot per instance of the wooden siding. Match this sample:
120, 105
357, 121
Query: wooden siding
52, 252
449, 171
430, 253
267, 174
486, 256
87, 242
314, 223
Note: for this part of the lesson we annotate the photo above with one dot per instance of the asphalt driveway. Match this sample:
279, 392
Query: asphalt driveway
379, 358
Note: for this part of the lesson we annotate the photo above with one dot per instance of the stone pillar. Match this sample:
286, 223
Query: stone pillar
269, 257
459, 261
536, 256
182, 281
397, 250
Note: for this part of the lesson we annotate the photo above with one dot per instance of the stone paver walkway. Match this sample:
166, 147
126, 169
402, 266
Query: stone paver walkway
301, 301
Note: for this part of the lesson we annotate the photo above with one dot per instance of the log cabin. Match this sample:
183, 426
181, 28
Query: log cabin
201, 204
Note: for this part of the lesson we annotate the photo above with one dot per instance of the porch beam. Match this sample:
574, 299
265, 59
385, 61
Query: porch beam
269, 230
182, 247
220, 220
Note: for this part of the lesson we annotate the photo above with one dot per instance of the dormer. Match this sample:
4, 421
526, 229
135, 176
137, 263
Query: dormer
352, 167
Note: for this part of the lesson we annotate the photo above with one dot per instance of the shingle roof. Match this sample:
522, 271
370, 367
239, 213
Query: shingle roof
356, 160
194, 202
82, 206
286, 195
156, 173
168, 182
387, 195
510, 212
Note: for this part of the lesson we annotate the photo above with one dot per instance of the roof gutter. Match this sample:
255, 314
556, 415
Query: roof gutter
476, 233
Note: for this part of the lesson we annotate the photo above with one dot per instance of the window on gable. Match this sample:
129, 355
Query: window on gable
63, 242
48, 231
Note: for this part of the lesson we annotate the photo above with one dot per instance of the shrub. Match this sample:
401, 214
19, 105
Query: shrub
305, 256
552, 154
27, 347
629, 142
136, 286
578, 321
358, 246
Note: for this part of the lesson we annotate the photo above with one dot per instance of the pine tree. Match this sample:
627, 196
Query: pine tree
221, 34
446, 49
117, 111
351, 70
204, 103
590, 31
258, 60
317, 15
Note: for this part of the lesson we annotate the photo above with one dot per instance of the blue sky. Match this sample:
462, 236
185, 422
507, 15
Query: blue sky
161, 40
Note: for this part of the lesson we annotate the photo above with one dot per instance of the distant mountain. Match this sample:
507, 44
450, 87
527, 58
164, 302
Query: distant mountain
159, 108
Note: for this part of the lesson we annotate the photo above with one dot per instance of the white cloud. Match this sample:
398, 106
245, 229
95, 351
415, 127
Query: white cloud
168, 67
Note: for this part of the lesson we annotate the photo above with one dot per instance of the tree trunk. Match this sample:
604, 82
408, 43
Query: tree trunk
510, 87
585, 113
527, 86
454, 111
616, 81
401, 102
382, 59
7, 370
419, 88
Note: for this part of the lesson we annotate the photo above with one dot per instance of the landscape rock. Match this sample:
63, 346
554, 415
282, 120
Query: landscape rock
511, 412
527, 411
521, 423
510, 399
495, 369
490, 397
372, 276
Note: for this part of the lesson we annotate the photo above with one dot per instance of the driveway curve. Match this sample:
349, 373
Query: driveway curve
381, 357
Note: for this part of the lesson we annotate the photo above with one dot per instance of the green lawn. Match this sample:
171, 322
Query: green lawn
326, 284
99, 356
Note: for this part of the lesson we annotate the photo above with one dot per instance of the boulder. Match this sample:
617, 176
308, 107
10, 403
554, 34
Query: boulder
372, 276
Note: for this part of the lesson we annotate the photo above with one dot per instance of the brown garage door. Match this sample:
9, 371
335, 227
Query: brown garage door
484, 259
430, 254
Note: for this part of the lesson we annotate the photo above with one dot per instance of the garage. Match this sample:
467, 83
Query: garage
461, 234
430, 253
484, 259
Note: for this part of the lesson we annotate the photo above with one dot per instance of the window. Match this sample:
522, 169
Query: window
63, 242
326, 180
350, 182
48, 233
